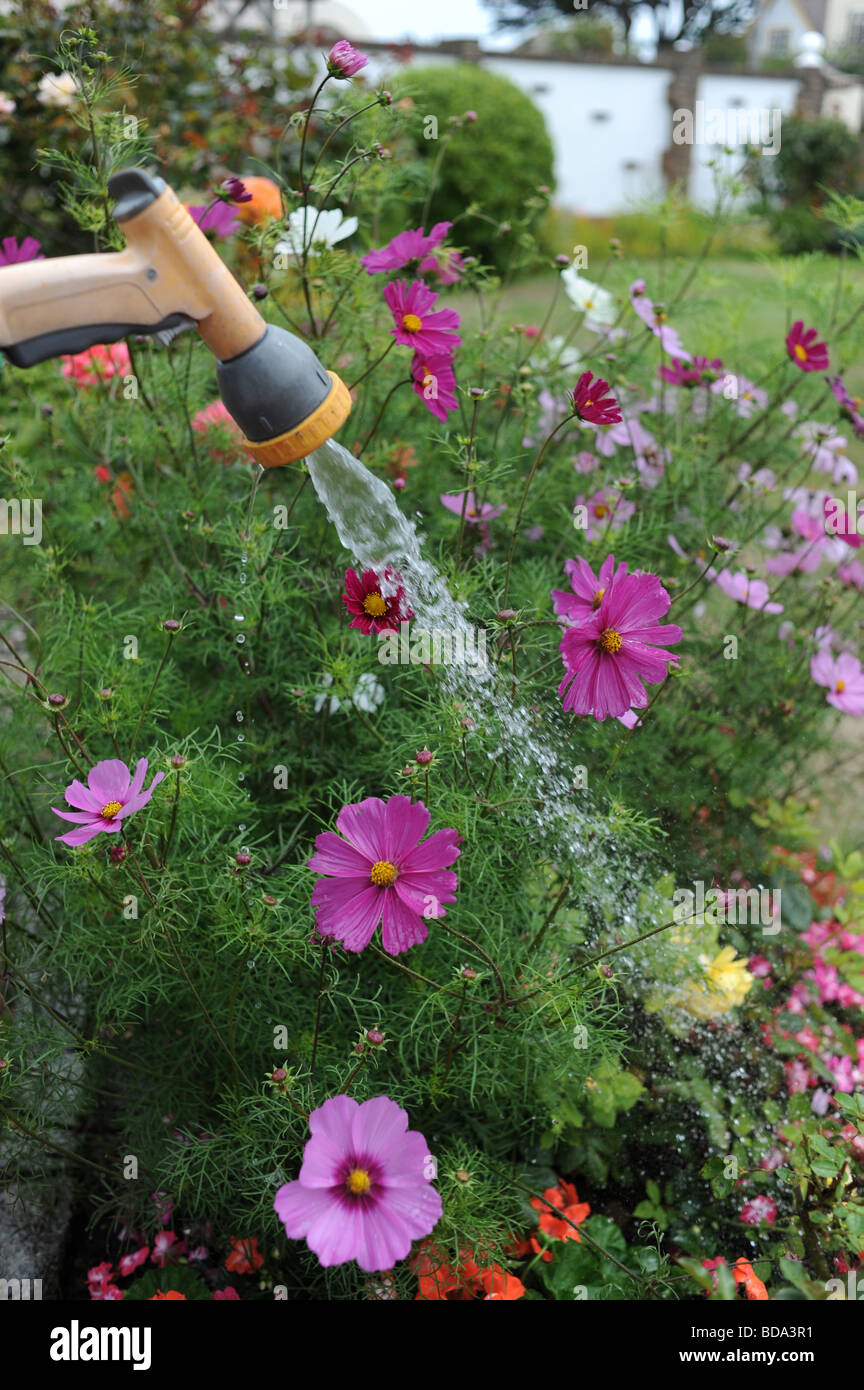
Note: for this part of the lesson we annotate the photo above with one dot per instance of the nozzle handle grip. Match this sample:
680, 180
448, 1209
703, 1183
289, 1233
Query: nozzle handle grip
71, 340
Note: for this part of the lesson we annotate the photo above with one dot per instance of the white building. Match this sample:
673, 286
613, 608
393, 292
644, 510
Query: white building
780, 25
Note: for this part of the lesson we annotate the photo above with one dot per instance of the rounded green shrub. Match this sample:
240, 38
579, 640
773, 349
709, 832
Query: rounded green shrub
496, 162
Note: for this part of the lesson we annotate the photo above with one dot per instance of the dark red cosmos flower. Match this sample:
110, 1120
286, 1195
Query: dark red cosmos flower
592, 401
374, 611
805, 349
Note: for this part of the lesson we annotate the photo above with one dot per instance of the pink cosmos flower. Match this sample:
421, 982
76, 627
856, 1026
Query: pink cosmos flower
740, 586
404, 248
435, 383
13, 252
447, 265
129, 1263
417, 324
377, 602
475, 513
852, 575
655, 319
344, 60
97, 363
607, 657
593, 403
381, 870
849, 405
745, 394
843, 677
606, 510
217, 217
628, 434
585, 461
587, 589
807, 558
703, 372
111, 794
805, 349
838, 523
364, 1191
757, 1210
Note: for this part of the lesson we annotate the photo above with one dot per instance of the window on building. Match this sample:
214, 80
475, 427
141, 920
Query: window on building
856, 27
778, 41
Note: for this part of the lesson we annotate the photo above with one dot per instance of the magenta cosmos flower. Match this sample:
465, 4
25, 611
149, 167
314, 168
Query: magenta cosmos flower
587, 588
344, 59
417, 324
435, 383
365, 1188
592, 401
404, 248
701, 372
805, 349
607, 657
850, 406
381, 870
13, 252
843, 678
217, 217
377, 602
111, 794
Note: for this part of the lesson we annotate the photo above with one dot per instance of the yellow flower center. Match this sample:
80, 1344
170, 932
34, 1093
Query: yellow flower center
110, 809
412, 323
601, 509
800, 353
383, 873
841, 686
610, 640
598, 598
375, 605
589, 303
358, 1181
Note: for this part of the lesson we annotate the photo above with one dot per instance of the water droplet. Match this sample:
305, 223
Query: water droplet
239, 617
241, 738
241, 828
238, 715
244, 849
241, 777
242, 576
239, 639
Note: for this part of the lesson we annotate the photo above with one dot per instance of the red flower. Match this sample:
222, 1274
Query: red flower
563, 1198
439, 1281
805, 349
743, 1274
160, 1297
373, 610
244, 1257
592, 401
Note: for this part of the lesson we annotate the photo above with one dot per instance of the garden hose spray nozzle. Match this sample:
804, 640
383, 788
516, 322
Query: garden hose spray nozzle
166, 279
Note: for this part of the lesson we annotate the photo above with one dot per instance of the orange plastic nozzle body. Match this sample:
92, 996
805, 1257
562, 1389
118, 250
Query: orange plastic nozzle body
168, 267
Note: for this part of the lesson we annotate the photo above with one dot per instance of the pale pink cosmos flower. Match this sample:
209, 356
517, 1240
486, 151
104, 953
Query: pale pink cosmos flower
605, 510
381, 872
743, 394
111, 794
365, 1187
655, 319
843, 677
744, 589
475, 512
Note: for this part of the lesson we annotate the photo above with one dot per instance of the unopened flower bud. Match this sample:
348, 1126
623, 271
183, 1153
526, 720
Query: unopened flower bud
260, 291
58, 701
424, 757
374, 1037
269, 901
177, 760
462, 1175
467, 973
721, 543
279, 1074
243, 859
171, 625
47, 411
506, 615
106, 692
562, 259
117, 853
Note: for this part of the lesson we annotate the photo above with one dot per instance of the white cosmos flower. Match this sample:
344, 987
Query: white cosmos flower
7, 105
57, 89
309, 227
596, 303
566, 358
368, 695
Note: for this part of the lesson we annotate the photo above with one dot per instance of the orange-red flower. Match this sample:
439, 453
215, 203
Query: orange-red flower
438, 1280
744, 1275
565, 1199
160, 1297
244, 1256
